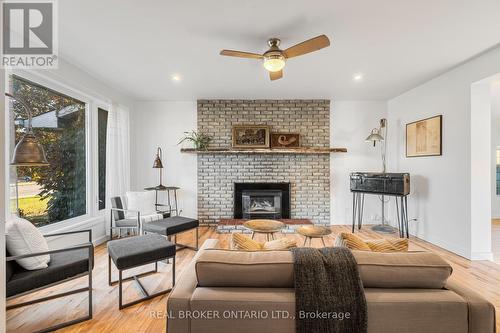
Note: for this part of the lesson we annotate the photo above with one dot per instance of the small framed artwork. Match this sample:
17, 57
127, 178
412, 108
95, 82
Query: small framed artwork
285, 140
250, 136
424, 137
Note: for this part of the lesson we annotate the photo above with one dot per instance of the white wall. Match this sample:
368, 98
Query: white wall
76, 78
495, 142
161, 124
350, 124
441, 196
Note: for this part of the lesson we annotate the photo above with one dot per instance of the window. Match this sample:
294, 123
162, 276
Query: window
46, 195
102, 125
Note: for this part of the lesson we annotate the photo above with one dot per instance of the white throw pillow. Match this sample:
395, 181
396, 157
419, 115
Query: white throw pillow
143, 201
24, 238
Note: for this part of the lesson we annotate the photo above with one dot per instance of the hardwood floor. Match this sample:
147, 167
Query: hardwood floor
482, 276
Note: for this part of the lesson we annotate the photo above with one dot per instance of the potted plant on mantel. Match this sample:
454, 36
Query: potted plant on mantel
199, 140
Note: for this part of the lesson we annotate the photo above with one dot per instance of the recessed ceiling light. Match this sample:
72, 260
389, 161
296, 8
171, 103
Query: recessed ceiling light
176, 77
358, 77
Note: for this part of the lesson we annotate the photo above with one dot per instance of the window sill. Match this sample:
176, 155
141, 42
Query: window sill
79, 223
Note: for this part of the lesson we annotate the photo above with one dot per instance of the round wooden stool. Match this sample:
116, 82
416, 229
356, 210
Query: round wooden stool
313, 231
268, 227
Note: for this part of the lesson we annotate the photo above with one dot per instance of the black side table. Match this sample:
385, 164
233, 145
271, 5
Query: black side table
171, 194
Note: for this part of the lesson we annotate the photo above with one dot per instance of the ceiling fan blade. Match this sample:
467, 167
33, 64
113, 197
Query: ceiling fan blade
276, 75
232, 53
310, 45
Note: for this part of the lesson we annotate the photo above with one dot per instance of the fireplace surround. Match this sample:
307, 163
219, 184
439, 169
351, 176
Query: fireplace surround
262, 200
308, 174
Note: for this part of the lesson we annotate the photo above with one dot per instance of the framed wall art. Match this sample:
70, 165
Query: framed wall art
250, 136
285, 140
424, 137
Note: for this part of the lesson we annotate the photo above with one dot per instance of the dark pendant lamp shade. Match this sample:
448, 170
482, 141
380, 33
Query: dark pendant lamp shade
28, 151
157, 164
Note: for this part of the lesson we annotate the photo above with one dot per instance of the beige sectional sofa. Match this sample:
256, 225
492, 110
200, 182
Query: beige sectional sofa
234, 291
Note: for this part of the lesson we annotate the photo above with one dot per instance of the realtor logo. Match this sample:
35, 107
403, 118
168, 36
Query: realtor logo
29, 34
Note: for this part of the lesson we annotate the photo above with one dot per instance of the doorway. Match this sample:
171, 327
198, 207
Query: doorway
495, 170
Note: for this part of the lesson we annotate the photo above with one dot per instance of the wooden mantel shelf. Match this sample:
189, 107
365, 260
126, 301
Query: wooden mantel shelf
302, 150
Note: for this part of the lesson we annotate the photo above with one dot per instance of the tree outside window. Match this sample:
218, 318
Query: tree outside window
46, 195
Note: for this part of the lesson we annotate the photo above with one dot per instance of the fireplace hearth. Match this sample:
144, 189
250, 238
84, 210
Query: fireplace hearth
262, 200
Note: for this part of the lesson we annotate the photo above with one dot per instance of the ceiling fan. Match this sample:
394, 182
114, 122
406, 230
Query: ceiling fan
275, 58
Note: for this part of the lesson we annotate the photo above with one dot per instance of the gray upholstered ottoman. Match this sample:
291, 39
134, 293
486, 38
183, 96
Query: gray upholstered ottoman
171, 226
137, 251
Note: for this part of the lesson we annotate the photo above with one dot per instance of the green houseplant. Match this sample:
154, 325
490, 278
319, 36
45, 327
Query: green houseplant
199, 140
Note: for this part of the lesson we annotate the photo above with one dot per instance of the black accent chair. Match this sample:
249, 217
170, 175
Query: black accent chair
120, 222
65, 264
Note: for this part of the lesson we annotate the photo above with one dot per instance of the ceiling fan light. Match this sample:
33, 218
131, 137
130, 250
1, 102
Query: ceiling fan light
274, 62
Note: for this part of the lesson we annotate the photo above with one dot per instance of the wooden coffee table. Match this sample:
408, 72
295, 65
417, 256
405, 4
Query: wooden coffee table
268, 227
314, 231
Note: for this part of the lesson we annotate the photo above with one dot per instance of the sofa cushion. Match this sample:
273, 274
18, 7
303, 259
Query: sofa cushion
416, 311
62, 265
402, 269
389, 310
225, 268
24, 238
243, 310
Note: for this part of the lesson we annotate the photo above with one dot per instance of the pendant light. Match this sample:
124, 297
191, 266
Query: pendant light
28, 151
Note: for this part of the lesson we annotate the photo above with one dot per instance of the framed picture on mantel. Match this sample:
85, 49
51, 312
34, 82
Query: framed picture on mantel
424, 137
250, 136
285, 140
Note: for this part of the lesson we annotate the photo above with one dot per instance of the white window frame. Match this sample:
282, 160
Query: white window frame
92, 103
105, 106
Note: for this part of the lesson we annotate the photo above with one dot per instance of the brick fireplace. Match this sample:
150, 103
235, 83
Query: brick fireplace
308, 175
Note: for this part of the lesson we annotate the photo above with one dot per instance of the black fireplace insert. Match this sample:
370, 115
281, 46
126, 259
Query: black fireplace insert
262, 200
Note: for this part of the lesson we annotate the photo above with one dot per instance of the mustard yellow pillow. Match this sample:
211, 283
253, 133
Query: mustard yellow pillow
354, 242
351, 241
388, 245
242, 242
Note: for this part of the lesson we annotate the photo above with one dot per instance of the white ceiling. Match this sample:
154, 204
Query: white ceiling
136, 46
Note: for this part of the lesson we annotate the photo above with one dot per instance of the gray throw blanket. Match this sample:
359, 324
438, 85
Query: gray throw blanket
329, 296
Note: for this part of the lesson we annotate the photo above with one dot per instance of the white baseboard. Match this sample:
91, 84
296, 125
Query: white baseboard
100, 240
482, 256
443, 244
